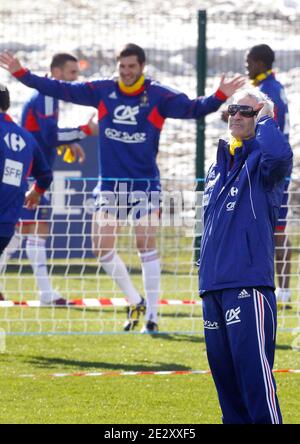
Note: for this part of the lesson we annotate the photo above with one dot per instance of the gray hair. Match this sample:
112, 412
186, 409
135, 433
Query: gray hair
256, 94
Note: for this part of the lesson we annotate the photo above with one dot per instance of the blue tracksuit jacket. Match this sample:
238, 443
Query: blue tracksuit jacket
241, 208
40, 117
129, 125
20, 157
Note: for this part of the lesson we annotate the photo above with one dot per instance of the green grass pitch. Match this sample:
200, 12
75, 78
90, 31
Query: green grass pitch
143, 399
146, 399
115, 399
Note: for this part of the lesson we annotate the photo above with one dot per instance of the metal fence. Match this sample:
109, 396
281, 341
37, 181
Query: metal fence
229, 37
35, 31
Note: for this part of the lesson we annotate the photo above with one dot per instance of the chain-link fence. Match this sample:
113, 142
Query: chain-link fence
36, 31
230, 35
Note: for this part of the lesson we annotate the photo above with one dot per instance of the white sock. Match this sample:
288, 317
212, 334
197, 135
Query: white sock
14, 245
36, 253
283, 294
114, 266
151, 279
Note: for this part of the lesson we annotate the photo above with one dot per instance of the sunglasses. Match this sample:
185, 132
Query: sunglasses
244, 110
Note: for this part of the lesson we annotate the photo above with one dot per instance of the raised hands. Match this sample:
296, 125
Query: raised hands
77, 152
265, 109
9, 62
93, 126
229, 87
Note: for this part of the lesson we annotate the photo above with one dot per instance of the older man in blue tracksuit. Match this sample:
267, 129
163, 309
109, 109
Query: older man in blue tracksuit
243, 194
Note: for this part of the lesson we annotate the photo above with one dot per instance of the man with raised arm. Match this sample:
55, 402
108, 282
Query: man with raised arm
131, 113
241, 201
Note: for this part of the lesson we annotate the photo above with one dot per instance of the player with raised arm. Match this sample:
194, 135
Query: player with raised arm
131, 113
40, 117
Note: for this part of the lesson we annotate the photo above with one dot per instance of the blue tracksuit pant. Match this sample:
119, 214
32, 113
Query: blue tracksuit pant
240, 329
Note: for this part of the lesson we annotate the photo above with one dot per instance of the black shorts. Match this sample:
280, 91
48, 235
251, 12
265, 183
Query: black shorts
4, 241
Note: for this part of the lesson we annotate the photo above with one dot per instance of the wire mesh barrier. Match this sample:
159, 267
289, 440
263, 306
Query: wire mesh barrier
95, 303
98, 303
82, 28
94, 34
224, 55
86, 30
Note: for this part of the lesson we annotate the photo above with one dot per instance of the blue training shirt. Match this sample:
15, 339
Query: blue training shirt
241, 206
20, 157
40, 117
129, 125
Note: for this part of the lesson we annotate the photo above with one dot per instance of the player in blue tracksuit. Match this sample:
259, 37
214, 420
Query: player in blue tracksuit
259, 63
40, 117
20, 157
242, 197
131, 113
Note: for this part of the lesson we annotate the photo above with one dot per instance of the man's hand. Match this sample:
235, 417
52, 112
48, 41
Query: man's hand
229, 87
93, 126
264, 109
9, 62
32, 199
77, 152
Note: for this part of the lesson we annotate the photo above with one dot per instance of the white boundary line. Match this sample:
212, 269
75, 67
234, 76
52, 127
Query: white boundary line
93, 302
139, 373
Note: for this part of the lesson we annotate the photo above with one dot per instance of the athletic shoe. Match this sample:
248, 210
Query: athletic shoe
54, 298
2, 298
284, 306
62, 301
150, 327
133, 315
